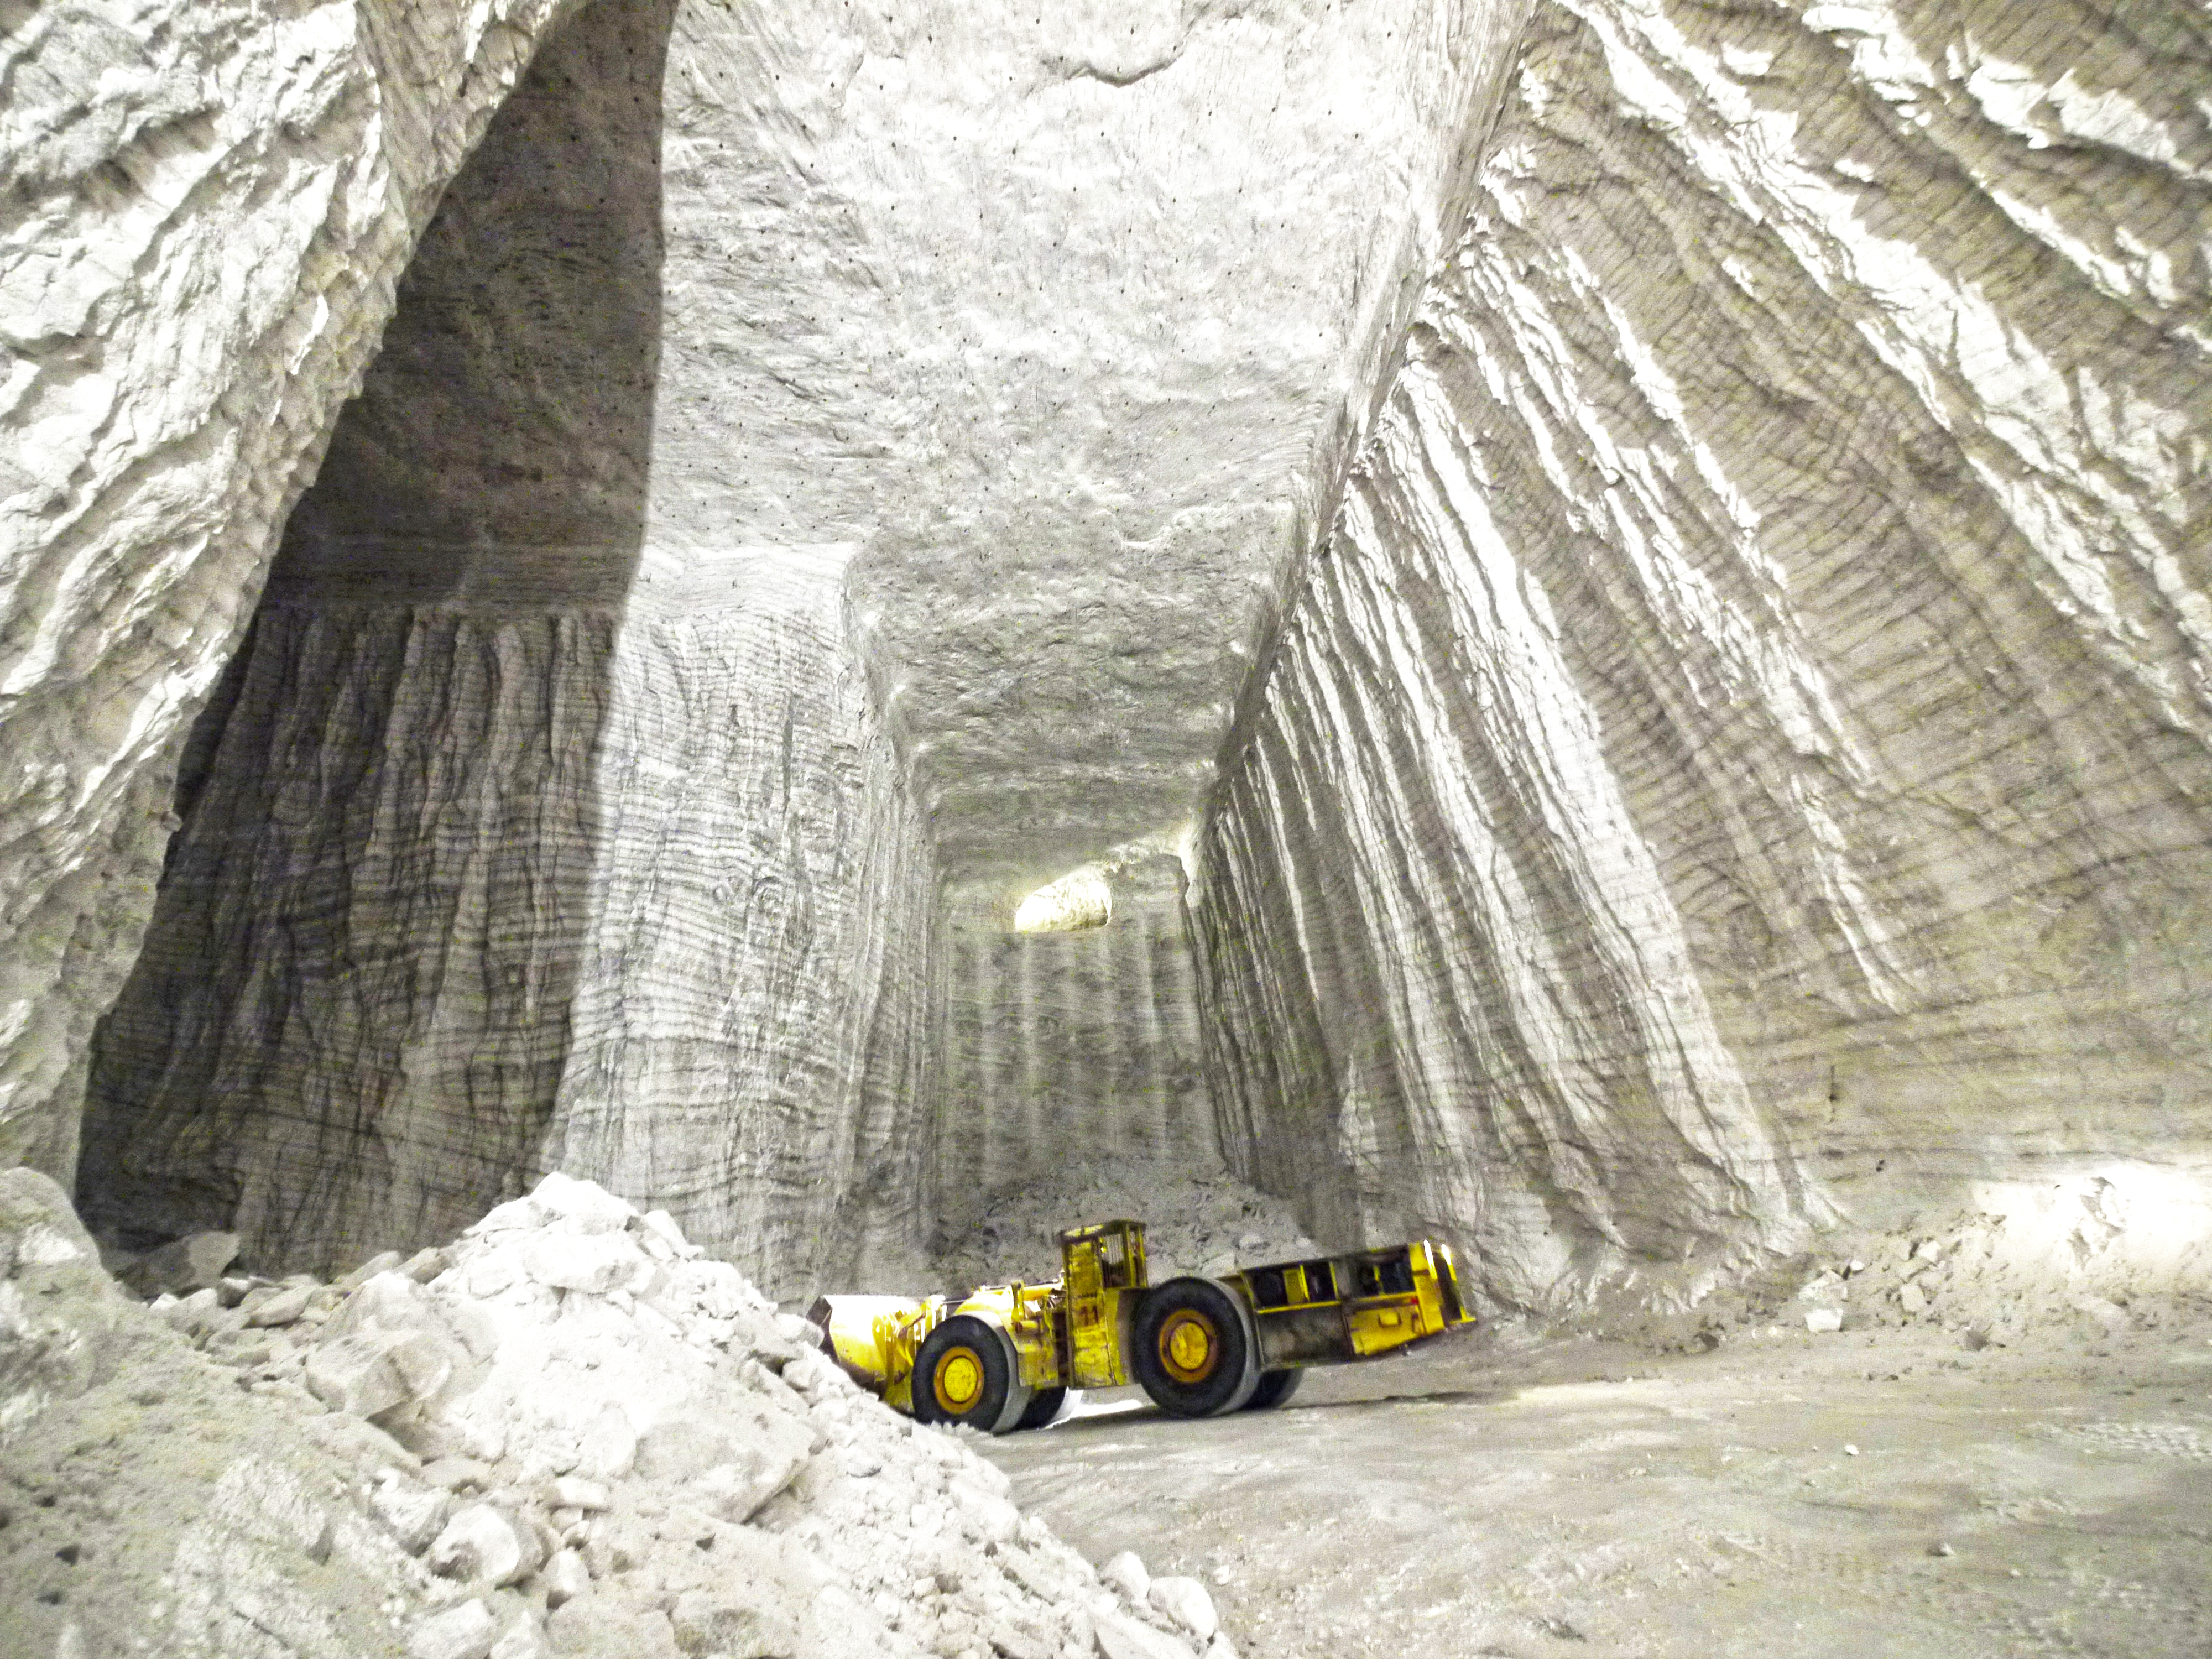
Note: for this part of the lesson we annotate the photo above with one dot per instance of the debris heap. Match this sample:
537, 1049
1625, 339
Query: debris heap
568, 1433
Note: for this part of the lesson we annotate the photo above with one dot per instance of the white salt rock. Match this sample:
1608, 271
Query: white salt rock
1824, 1319
684, 1525
608, 1448
1186, 1602
716, 1287
990, 1516
567, 1577
605, 1625
570, 1492
453, 1473
585, 1205
280, 1307
802, 1333
1121, 1636
466, 1632
516, 1215
415, 1514
491, 1273
357, 1374
1125, 1574
190, 1315
1220, 1648
382, 1262
756, 1616
193, 1262
483, 1542
665, 1227
1912, 1299
595, 1263
522, 1639
765, 1465
393, 1301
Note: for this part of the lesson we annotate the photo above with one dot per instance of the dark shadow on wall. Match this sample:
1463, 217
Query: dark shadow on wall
352, 1011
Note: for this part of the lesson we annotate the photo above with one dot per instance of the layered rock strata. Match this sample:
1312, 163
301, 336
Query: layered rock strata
204, 224
1741, 744
1064, 1046
518, 838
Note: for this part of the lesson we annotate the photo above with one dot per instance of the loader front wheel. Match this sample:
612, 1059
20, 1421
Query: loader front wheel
965, 1374
1194, 1349
1044, 1408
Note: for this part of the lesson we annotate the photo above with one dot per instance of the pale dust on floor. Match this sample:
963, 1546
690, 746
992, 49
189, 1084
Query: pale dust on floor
1793, 1496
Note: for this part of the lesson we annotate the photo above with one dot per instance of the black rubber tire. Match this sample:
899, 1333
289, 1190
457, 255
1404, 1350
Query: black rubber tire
1275, 1387
1044, 1408
1232, 1371
1001, 1401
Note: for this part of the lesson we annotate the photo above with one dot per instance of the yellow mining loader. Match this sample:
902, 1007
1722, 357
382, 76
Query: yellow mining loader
1005, 1358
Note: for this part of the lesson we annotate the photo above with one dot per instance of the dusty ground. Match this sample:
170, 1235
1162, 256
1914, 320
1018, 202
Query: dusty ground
1577, 1498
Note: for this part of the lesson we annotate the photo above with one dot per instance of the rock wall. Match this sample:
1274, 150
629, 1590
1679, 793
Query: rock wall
353, 1008
755, 1028
1067, 1046
1740, 750
520, 838
202, 229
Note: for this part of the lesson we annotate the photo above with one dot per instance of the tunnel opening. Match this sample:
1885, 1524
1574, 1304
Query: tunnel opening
348, 1019
1082, 898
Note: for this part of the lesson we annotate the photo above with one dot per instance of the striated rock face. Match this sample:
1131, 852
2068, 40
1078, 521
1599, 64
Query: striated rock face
518, 841
754, 1037
1734, 755
202, 227
354, 1005
811, 446
1065, 1047
1741, 745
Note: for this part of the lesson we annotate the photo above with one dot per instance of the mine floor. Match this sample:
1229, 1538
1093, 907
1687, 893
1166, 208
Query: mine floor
1885, 1493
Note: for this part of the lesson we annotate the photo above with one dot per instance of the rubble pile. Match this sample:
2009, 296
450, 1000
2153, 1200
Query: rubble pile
2078, 1260
570, 1432
2072, 1261
1194, 1223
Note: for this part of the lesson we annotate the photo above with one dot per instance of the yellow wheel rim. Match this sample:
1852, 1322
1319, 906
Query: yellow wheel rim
1190, 1347
959, 1383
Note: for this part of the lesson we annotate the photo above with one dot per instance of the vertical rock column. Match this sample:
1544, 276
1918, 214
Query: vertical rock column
348, 1021
530, 831
204, 213
754, 1034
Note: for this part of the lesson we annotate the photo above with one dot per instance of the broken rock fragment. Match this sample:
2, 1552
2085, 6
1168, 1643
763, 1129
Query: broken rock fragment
1121, 1636
484, 1542
1125, 1573
595, 1263
1186, 1602
194, 1262
463, 1632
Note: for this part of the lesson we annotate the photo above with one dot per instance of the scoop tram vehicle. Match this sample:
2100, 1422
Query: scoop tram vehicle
1005, 1357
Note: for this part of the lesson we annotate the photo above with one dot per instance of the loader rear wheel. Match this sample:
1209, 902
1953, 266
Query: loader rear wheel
1275, 1387
1194, 1349
1044, 1408
965, 1374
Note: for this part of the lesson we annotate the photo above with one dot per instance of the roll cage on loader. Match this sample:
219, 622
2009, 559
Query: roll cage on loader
1003, 1358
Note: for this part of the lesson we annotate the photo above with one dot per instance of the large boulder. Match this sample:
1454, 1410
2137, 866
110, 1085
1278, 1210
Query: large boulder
59, 1308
